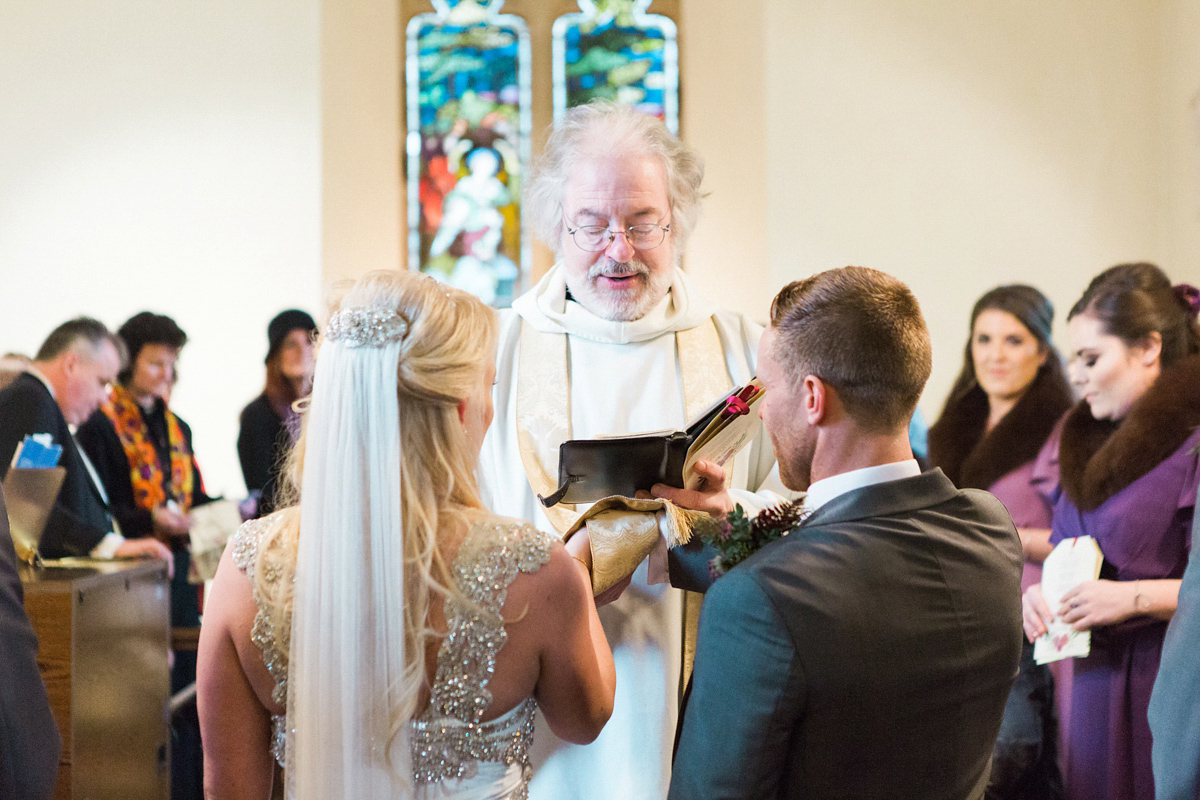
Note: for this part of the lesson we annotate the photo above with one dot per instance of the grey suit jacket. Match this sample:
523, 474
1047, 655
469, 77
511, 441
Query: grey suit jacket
29, 741
868, 654
1175, 702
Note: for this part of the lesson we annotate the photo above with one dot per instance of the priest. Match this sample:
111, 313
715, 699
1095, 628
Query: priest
615, 339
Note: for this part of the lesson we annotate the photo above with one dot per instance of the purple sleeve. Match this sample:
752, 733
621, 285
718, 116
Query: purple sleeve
1045, 467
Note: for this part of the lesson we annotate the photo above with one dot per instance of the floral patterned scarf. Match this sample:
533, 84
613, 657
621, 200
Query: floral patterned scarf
145, 471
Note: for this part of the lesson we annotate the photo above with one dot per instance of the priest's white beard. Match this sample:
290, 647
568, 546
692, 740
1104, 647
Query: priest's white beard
621, 305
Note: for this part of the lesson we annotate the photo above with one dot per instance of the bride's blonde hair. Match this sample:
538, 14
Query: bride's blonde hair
377, 466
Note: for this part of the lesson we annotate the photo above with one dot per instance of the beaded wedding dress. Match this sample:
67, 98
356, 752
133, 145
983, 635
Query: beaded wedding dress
455, 756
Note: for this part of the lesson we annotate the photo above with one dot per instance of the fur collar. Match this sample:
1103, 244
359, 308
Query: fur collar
974, 460
1098, 458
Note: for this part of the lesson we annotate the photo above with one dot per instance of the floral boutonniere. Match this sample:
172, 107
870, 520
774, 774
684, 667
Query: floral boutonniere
737, 537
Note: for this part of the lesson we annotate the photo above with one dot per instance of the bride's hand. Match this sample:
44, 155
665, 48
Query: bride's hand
613, 592
579, 546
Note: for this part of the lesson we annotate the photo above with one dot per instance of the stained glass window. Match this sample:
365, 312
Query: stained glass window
613, 49
468, 90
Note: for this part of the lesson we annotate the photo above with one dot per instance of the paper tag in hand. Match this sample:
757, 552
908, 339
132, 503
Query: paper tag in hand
1072, 562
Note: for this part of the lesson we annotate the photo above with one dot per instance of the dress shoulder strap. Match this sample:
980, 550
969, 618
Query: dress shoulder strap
265, 550
494, 550
491, 555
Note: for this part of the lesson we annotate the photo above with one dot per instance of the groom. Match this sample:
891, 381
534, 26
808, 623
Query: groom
869, 652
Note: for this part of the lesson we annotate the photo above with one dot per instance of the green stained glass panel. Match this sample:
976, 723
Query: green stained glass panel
615, 51
468, 79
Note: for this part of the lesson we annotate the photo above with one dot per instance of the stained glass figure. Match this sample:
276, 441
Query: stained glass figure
613, 49
467, 69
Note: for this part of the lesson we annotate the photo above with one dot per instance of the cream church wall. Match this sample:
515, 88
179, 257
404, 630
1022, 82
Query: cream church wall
1179, 127
163, 156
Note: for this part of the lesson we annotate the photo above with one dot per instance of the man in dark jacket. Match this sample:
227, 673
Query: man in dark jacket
29, 742
65, 384
869, 652
1174, 717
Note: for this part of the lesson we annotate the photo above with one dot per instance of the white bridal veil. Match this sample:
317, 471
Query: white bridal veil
346, 738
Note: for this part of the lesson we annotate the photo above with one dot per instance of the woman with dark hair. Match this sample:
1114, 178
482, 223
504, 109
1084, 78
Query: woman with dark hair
1123, 467
143, 455
142, 451
1008, 396
269, 425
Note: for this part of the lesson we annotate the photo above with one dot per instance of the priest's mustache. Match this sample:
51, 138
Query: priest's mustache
617, 269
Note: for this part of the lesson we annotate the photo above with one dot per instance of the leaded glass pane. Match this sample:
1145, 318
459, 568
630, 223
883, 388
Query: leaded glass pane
613, 49
468, 91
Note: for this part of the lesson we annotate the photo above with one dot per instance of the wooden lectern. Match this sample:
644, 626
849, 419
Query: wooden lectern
103, 630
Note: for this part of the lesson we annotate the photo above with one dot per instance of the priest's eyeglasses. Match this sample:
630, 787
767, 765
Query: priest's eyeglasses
594, 238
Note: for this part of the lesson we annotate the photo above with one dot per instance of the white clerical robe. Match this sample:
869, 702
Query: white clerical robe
624, 377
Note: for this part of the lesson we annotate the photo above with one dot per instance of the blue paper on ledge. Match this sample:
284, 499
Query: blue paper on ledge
37, 451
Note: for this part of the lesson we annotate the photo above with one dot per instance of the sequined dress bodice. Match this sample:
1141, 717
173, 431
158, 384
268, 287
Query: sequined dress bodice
450, 743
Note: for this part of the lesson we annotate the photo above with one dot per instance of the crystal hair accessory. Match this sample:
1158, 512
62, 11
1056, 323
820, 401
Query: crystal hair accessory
366, 327
1190, 295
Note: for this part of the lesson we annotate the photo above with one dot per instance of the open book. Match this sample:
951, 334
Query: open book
30, 489
591, 469
1072, 562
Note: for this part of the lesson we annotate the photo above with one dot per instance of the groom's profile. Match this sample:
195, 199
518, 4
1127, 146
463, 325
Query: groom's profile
869, 652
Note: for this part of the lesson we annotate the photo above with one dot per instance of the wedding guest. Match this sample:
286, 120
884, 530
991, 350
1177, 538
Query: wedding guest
142, 452
1008, 396
388, 637
1123, 468
12, 365
30, 746
269, 424
869, 651
60, 389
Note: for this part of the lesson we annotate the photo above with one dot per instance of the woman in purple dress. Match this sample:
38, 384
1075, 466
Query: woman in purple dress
1009, 395
1123, 468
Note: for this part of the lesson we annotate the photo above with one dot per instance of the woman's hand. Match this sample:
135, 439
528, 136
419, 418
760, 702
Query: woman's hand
1035, 614
1093, 604
168, 523
1035, 544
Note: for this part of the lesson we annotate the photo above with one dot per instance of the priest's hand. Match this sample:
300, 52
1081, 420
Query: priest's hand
711, 497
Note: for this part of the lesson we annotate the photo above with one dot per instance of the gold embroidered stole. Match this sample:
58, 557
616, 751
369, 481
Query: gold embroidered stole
543, 418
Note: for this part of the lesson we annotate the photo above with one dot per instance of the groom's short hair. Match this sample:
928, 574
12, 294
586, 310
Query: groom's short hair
860, 331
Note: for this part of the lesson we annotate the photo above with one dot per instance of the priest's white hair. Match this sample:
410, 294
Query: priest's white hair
603, 129
387, 470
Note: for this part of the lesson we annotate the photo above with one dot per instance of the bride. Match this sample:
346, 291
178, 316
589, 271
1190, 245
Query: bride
386, 637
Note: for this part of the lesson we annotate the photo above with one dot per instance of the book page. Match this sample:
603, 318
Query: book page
722, 440
1072, 562
212, 525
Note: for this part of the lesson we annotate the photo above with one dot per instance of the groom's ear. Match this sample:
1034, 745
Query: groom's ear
815, 399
